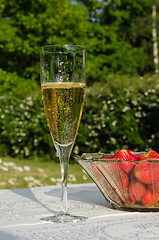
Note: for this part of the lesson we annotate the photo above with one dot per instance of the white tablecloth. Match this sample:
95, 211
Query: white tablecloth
21, 210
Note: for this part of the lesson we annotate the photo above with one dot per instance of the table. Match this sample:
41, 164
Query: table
21, 210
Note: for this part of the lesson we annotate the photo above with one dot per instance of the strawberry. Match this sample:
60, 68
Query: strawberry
126, 165
133, 155
152, 152
103, 170
149, 197
123, 185
122, 154
97, 173
153, 156
119, 179
136, 190
144, 156
149, 154
147, 172
154, 188
124, 180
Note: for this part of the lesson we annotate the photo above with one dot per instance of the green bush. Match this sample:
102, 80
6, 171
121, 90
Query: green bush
23, 125
121, 113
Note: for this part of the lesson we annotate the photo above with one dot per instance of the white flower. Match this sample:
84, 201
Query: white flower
114, 123
8, 164
76, 149
21, 106
30, 102
36, 181
35, 142
12, 181
126, 108
20, 169
138, 114
53, 179
4, 168
26, 168
11, 164
112, 139
84, 177
5, 164
74, 179
26, 150
58, 180
30, 184
71, 178
16, 151
2, 183
40, 170
25, 178
152, 136
30, 178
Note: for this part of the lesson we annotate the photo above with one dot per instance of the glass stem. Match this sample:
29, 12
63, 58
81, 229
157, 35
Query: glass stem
64, 155
64, 171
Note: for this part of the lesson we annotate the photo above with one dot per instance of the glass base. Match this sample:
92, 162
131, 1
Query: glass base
64, 218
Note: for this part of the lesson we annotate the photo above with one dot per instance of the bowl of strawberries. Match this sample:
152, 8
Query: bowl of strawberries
128, 180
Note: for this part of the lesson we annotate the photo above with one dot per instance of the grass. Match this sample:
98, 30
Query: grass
24, 173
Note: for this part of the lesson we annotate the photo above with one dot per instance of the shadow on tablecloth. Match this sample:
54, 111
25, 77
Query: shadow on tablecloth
29, 194
84, 193
8, 236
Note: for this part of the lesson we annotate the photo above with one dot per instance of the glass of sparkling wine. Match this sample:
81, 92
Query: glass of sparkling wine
62, 75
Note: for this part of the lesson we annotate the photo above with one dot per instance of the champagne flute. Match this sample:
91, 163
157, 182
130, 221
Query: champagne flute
62, 75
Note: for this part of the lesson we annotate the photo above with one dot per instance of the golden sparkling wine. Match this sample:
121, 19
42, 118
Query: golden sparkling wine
63, 104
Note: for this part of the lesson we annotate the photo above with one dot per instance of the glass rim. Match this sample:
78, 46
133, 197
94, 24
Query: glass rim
79, 48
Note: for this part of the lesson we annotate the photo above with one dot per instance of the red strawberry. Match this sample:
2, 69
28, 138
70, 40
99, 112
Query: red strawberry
147, 172
124, 180
133, 155
149, 154
117, 177
126, 165
103, 170
122, 154
123, 185
144, 156
152, 152
154, 188
149, 197
136, 190
153, 156
97, 173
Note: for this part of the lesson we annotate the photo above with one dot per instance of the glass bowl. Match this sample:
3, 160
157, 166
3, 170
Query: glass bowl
136, 190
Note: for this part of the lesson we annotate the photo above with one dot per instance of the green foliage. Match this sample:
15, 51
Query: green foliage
122, 113
22, 120
117, 34
119, 38
28, 25
14, 86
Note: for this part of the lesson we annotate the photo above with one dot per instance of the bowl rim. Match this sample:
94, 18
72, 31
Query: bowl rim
97, 157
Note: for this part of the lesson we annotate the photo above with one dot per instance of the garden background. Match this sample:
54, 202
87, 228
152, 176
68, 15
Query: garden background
122, 95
